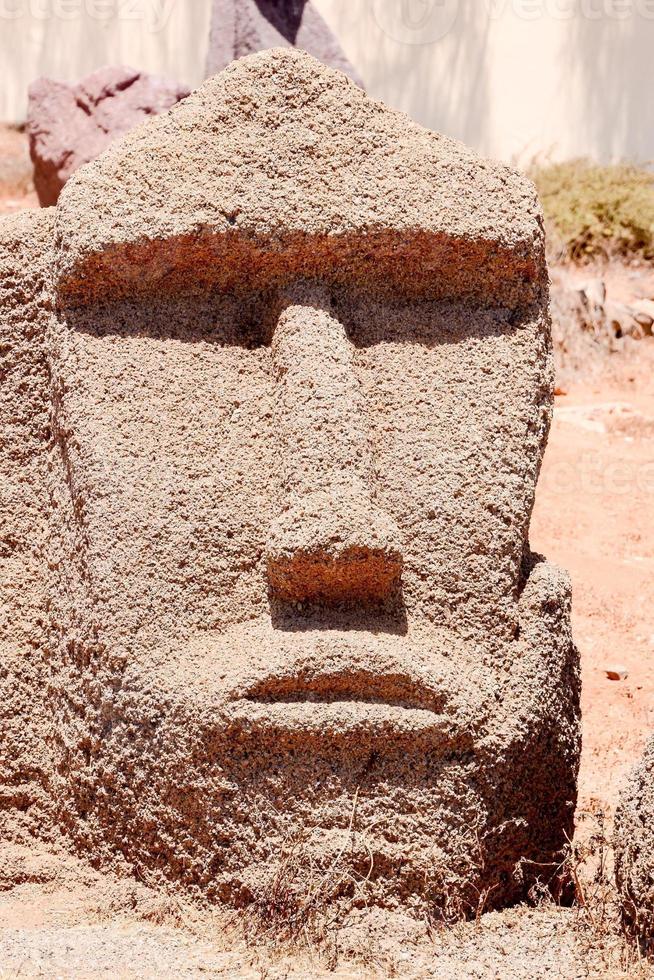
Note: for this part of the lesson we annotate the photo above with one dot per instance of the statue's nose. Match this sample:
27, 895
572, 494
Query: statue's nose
332, 543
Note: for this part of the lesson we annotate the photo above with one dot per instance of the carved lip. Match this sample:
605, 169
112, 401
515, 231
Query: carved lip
259, 682
322, 721
351, 702
354, 685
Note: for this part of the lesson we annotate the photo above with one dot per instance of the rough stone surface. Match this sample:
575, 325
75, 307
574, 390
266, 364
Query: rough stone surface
634, 849
310, 178
331, 543
26, 259
243, 27
70, 125
299, 386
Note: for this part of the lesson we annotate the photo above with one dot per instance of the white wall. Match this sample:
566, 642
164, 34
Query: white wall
167, 37
514, 78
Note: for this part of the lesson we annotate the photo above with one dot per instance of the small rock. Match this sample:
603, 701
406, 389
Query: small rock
617, 673
644, 314
595, 291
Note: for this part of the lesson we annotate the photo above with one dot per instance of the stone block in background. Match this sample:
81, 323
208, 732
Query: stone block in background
70, 125
242, 27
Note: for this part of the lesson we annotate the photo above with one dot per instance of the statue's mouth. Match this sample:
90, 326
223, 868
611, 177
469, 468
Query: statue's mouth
347, 698
319, 685
346, 702
355, 685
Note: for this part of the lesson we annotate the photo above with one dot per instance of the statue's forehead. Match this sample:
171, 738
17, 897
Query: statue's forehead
281, 169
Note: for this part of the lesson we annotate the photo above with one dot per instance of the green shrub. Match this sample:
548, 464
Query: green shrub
594, 211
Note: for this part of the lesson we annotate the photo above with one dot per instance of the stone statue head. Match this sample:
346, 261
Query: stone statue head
301, 388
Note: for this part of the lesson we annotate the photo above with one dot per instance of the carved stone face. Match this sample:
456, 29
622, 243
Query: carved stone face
305, 521
321, 456
297, 503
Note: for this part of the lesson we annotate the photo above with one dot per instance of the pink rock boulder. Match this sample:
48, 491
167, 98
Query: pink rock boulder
70, 125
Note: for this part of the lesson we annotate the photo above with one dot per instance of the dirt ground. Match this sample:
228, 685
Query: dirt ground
16, 189
594, 516
66, 920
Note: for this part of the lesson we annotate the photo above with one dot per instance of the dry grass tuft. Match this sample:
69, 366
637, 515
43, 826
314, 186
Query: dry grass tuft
587, 868
304, 904
597, 212
315, 909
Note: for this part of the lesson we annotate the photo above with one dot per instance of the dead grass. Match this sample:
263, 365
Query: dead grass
303, 904
597, 212
587, 865
304, 907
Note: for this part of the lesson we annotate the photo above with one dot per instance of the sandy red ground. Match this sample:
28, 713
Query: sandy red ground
594, 515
